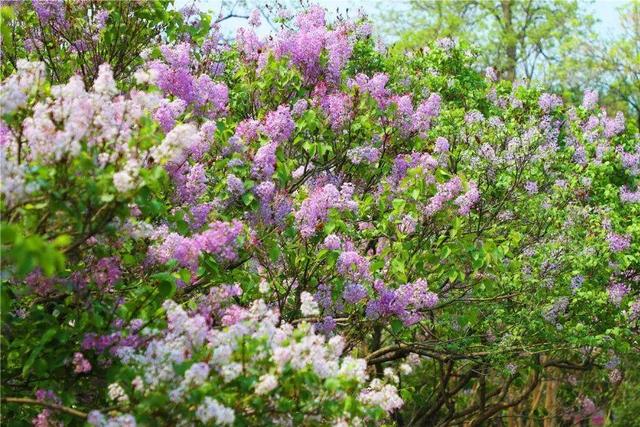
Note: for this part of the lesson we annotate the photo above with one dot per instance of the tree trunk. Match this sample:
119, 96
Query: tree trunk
509, 71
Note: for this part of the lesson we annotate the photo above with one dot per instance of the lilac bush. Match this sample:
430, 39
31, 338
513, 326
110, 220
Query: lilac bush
306, 229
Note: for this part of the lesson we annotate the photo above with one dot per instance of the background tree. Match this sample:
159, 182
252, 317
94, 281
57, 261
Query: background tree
519, 38
609, 64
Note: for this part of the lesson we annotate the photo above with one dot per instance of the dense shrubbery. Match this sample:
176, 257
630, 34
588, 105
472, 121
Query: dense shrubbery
303, 230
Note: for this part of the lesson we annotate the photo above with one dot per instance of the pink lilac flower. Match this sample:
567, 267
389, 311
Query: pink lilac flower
216, 95
221, 239
254, 18
375, 87
248, 44
80, 364
403, 162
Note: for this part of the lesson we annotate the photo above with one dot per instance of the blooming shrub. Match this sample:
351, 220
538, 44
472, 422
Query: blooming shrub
305, 229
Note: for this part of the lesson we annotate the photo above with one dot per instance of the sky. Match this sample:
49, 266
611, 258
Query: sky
604, 10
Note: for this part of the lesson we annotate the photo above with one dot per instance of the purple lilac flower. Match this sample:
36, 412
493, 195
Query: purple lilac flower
339, 48
265, 191
617, 292
235, 185
445, 192
418, 295
629, 196
48, 10
613, 127
247, 130
166, 115
314, 210
549, 101
634, 310
426, 112
490, 74
107, 272
468, 199
354, 293
407, 224
576, 283
446, 43
101, 18
279, 124
193, 185
332, 242
473, 116
558, 308
364, 154
338, 109
299, 107
441, 145
618, 242
326, 326
264, 162
352, 265
590, 99
631, 161
198, 215
248, 44
531, 187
